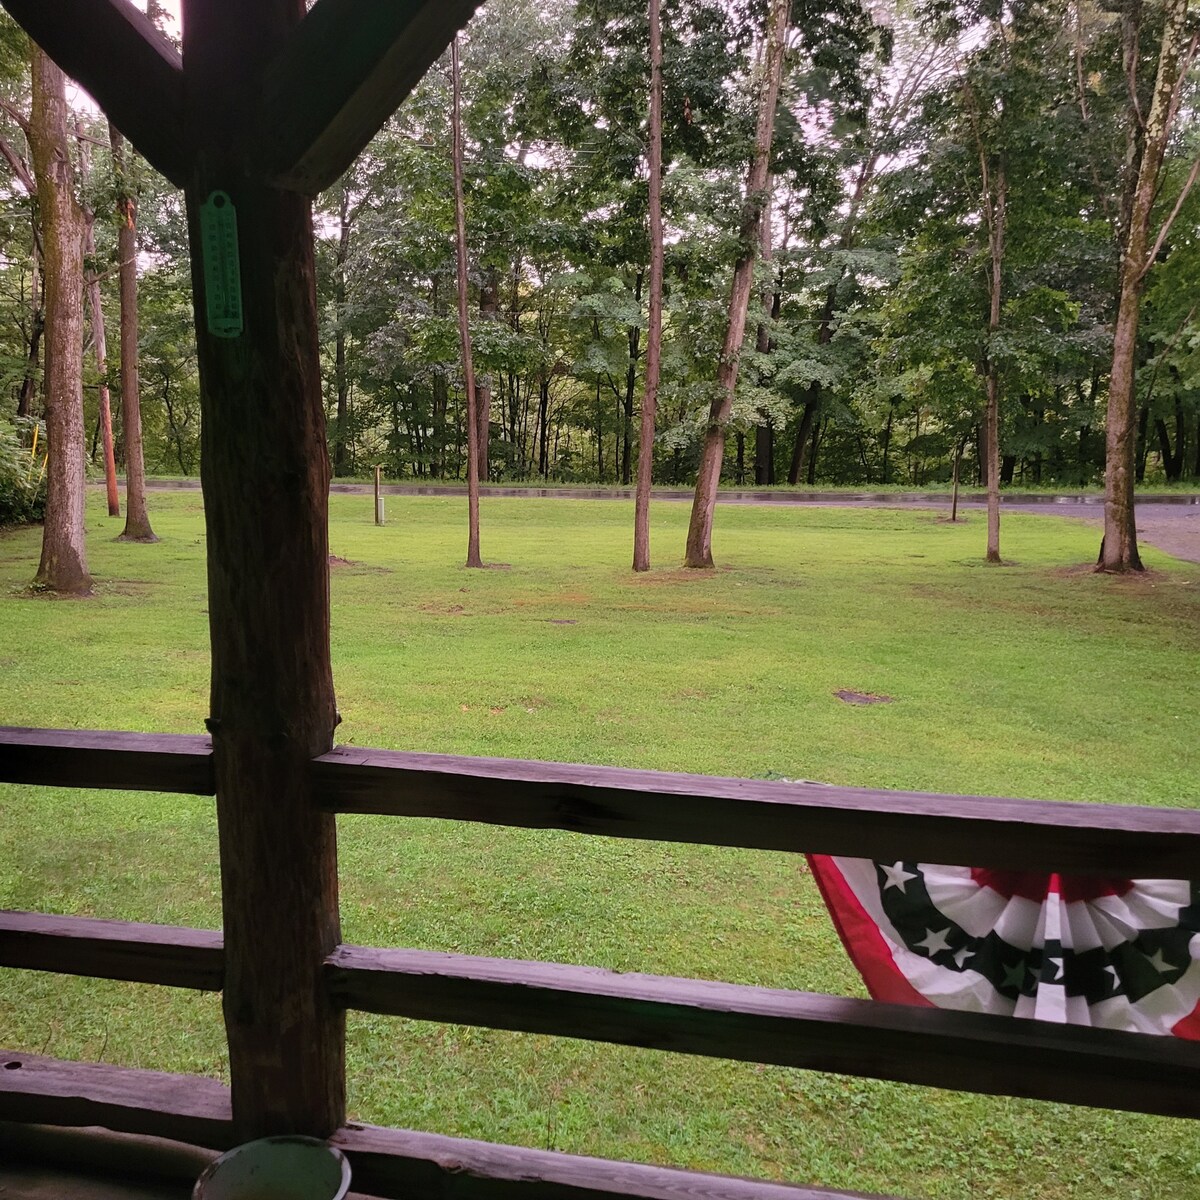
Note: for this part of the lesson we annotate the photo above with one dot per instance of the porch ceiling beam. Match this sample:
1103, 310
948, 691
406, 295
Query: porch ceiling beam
344, 71
134, 74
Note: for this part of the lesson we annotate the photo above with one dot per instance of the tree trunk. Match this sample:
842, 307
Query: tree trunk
818, 430
764, 453
958, 449
997, 213
37, 326
699, 540
265, 469
599, 436
100, 346
1118, 550
804, 435
137, 519
340, 378
464, 328
1172, 460
641, 514
543, 429
635, 341
489, 310
764, 432
63, 566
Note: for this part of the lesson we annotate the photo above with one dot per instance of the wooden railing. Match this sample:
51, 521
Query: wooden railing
929, 1046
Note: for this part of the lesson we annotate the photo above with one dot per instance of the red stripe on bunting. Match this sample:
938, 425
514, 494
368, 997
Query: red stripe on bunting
1189, 1027
866, 946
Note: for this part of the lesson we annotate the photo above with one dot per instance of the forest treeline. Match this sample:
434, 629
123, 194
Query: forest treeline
947, 218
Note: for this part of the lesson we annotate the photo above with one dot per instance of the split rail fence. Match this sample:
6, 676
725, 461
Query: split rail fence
926, 1046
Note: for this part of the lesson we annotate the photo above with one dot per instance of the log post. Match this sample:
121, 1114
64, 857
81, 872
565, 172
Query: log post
265, 473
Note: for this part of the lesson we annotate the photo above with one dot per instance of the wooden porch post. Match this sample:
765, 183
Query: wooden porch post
265, 99
266, 479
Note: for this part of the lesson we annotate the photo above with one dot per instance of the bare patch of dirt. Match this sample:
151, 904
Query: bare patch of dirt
335, 561
127, 587
849, 697
1132, 579
562, 621
673, 576
692, 694
33, 592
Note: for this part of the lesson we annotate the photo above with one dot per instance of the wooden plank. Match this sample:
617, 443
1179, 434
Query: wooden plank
937, 1048
964, 830
402, 1164
129, 68
185, 1108
161, 954
147, 762
343, 72
266, 510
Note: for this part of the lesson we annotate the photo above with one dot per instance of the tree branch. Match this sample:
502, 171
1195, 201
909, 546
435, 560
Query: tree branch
130, 69
19, 167
16, 115
1166, 226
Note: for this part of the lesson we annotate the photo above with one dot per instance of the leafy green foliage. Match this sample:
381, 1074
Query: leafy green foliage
22, 472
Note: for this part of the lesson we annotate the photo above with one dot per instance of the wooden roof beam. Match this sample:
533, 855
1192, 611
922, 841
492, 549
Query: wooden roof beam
130, 69
344, 71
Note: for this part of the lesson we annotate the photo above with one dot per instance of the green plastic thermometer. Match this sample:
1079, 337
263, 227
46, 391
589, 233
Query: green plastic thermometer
222, 267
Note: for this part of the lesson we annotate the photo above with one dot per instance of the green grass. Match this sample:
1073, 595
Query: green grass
1037, 679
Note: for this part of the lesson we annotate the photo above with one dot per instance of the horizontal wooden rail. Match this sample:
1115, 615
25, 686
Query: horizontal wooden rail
979, 831
47, 1091
147, 762
965, 1051
386, 1162
398, 1164
162, 954
995, 1055
965, 830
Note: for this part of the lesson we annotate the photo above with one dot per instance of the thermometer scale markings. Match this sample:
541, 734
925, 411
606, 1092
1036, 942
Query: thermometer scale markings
222, 266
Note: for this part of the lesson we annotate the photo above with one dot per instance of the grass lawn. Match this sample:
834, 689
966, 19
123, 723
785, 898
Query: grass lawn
1037, 679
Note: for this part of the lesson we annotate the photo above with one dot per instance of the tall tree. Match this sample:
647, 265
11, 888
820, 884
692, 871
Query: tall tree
100, 349
63, 566
137, 518
464, 327
641, 519
993, 182
1119, 551
699, 539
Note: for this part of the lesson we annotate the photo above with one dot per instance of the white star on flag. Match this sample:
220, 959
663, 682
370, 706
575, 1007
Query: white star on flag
961, 956
1159, 963
1056, 963
934, 942
1116, 979
897, 876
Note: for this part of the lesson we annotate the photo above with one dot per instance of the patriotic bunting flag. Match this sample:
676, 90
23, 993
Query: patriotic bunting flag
1115, 953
